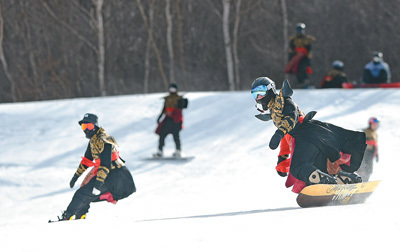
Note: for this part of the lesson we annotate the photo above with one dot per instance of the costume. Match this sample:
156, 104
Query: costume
300, 54
376, 71
172, 121
109, 179
335, 76
318, 150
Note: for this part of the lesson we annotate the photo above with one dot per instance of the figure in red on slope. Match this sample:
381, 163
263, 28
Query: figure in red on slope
172, 121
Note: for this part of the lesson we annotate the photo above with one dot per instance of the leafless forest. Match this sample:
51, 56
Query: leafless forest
54, 49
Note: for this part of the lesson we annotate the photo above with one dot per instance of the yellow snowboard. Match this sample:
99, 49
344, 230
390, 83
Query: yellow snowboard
329, 195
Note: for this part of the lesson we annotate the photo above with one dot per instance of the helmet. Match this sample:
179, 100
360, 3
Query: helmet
373, 120
338, 64
173, 88
89, 118
265, 87
264, 81
300, 27
377, 56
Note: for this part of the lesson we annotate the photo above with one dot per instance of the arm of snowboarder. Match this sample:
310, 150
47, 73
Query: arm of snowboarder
83, 165
104, 168
161, 114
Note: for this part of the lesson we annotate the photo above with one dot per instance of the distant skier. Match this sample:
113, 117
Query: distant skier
376, 71
300, 55
321, 153
109, 179
335, 77
172, 121
371, 151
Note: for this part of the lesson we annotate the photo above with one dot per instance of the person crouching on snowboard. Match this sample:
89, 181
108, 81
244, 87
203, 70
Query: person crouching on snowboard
321, 153
109, 179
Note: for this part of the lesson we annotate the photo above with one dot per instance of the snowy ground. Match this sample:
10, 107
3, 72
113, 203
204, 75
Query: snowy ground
229, 198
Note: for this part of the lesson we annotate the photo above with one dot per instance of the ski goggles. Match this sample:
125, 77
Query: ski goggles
260, 90
89, 126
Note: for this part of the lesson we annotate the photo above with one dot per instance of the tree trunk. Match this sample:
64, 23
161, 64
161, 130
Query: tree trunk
170, 45
235, 42
285, 34
148, 51
180, 43
100, 37
153, 43
3, 58
228, 44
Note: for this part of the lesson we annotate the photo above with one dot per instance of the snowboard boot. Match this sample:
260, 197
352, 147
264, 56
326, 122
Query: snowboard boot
348, 178
177, 154
158, 154
65, 216
319, 177
81, 214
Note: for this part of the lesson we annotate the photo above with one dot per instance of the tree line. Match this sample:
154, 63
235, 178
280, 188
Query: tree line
55, 49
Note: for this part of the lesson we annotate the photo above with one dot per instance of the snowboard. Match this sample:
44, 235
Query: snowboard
169, 158
338, 194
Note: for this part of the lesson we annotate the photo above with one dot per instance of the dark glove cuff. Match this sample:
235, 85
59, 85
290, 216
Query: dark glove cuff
98, 185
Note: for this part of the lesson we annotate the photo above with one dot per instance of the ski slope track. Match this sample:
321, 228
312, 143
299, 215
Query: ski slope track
229, 198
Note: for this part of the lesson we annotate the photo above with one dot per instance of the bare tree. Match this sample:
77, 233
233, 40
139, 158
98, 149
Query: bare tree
227, 43
101, 52
148, 51
168, 16
235, 41
153, 43
4, 60
180, 42
285, 33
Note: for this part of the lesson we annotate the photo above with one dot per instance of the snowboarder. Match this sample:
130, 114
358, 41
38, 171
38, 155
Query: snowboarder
376, 71
335, 77
109, 179
371, 151
300, 55
172, 121
321, 153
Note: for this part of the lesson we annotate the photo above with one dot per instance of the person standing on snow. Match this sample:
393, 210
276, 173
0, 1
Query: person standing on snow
300, 55
172, 121
109, 178
321, 153
371, 151
335, 77
376, 71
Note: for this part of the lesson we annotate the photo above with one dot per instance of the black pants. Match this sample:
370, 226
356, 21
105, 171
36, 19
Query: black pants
306, 159
119, 183
170, 127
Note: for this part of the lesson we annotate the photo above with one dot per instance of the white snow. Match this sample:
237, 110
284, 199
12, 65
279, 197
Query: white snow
229, 198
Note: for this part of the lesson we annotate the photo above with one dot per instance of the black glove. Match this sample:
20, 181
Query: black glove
276, 139
97, 187
282, 158
73, 180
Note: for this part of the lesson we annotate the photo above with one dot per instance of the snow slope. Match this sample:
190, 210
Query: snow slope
229, 198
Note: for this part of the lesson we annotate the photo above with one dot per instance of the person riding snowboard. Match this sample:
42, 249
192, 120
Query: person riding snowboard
321, 153
109, 179
172, 120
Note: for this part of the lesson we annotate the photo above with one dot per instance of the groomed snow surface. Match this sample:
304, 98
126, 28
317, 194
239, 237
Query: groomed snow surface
229, 198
